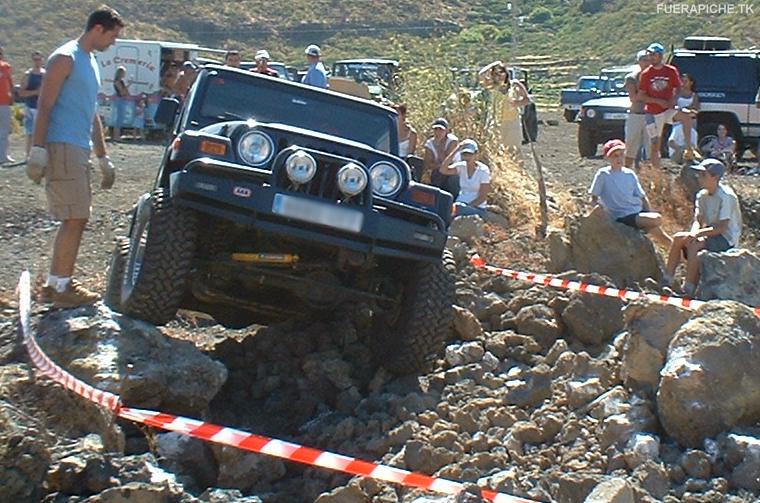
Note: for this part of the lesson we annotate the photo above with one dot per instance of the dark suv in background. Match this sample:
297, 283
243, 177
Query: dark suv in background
727, 82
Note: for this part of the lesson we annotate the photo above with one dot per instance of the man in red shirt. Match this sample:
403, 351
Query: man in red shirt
658, 88
262, 64
6, 100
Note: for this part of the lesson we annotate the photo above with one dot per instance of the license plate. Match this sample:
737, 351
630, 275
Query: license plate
616, 116
315, 212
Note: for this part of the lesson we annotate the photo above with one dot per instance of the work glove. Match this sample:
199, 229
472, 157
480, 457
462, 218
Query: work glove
36, 163
107, 171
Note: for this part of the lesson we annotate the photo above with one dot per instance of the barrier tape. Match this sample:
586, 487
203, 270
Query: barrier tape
229, 436
579, 286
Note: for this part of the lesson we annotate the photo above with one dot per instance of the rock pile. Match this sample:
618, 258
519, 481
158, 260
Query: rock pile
539, 393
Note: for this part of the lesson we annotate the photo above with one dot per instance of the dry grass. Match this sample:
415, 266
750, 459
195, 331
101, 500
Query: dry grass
668, 197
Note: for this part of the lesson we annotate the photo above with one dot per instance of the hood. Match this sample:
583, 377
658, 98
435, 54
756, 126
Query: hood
609, 102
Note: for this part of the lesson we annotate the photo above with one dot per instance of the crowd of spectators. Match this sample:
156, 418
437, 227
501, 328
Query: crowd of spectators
660, 95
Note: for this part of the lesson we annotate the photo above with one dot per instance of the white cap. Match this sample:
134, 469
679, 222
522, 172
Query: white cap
262, 54
468, 146
313, 50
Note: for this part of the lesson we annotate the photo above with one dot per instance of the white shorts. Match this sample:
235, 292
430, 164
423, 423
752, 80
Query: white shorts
656, 123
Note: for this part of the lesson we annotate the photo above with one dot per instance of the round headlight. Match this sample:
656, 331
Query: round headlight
386, 178
255, 148
300, 167
590, 113
351, 179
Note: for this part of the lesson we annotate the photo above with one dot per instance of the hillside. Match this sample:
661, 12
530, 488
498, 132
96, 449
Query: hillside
562, 38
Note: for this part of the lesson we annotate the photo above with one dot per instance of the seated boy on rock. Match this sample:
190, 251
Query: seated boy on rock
717, 224
617, 189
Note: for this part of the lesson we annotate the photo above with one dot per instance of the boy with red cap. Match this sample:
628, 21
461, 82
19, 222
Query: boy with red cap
617, 189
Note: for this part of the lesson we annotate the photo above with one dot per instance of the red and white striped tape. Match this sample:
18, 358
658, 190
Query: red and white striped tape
230, 436
579, 286
45, 364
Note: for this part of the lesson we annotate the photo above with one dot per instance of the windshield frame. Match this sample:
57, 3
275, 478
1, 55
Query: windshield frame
388, 142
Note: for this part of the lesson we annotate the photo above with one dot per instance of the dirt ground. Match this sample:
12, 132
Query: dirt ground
26, 231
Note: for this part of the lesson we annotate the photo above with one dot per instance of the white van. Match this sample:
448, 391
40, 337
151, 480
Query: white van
146, 62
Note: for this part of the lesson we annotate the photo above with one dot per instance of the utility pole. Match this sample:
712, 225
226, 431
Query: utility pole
514, 12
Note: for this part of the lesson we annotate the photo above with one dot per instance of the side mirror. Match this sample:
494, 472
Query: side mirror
166, 111
416, 164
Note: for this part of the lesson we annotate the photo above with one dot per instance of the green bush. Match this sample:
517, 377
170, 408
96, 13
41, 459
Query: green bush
540, 15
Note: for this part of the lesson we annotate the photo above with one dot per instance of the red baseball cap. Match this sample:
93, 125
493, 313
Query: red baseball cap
612, 146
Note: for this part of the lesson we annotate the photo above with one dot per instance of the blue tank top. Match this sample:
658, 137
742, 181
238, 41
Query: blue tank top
33, 82
74, 110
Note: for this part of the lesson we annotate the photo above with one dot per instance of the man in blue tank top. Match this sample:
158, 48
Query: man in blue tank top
66, 128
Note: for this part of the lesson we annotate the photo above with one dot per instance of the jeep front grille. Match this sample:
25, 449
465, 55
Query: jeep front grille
325, 182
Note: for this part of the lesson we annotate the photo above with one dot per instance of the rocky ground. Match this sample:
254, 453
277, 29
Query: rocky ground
539, 393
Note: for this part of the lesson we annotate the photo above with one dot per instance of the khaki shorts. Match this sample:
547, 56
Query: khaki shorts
67, 183
635, 135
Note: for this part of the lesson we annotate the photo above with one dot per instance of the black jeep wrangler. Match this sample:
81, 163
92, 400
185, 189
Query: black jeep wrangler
275, 200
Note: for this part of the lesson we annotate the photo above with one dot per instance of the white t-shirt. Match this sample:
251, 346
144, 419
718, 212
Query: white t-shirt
469, 186
619, 191
677, 137
430, 145
721, 206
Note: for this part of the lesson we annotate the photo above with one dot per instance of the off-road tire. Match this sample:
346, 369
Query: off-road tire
586, 143
157, 290
112, 297
421, 329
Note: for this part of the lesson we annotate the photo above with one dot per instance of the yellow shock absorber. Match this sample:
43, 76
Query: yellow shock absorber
266, 258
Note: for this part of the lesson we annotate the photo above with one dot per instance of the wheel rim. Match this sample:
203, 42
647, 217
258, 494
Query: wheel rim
135, 257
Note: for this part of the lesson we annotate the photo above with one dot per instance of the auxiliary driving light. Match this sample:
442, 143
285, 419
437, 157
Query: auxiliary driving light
300, 167
351, 179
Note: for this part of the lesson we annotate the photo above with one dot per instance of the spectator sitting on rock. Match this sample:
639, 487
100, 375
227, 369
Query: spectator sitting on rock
437, 148
617, 189
677, 145
722, 147
688, 105
474, 179
717, 224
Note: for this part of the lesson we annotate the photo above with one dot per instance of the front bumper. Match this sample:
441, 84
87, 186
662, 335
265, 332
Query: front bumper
206, 186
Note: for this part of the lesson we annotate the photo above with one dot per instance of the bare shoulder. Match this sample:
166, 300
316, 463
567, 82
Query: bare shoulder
59, 62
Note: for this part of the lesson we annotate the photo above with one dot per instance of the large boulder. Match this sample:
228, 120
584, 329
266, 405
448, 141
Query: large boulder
731, 275
592, 319
467, 228
595, 243
711, 380
650, 327
132, 359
